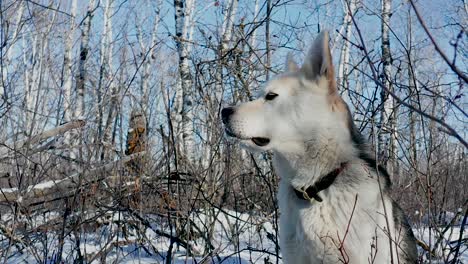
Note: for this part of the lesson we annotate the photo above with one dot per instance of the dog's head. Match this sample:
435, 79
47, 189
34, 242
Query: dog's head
298, 106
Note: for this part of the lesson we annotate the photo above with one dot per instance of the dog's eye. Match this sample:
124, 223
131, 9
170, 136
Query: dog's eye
270, 96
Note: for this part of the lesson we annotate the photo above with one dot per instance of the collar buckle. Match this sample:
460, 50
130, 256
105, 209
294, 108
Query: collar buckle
310, 193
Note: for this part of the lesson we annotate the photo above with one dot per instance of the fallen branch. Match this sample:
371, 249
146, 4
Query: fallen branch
20, 144
426, 248
54, 186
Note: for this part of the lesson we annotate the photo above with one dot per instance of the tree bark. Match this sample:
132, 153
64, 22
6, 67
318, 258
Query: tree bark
149, 60
67, 61
18, 145
343, 69
7, 59
84, 50
67, 77
184, 99
267, 40
106, 80
387, 135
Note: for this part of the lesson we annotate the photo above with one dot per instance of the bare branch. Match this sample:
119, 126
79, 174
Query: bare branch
436, 46
450, 131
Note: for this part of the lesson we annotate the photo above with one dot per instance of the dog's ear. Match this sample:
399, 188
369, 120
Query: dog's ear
291, 65
319, 62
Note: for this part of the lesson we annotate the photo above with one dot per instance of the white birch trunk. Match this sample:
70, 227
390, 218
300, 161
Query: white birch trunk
145, 73
68, 75
343, 69
228, 24
34, 62
104, 62
106, 71
38, 77
7, 65
12, 39
253, 38
226, 35
106, 41
267, 40
253, 42
189, 23
40, 44
183, 104
34, 99
84, 50
387, 130
253, 45
27, 58
179, 98
67, 61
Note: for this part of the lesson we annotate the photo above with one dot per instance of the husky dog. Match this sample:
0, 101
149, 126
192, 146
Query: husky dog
333, 197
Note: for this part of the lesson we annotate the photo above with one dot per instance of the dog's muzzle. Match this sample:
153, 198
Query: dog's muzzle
226, 114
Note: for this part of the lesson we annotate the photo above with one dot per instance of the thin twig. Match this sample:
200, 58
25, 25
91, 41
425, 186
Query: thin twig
50, 8
449, 130
436, 46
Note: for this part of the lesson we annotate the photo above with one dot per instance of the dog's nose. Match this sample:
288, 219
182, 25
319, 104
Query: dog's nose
226, 113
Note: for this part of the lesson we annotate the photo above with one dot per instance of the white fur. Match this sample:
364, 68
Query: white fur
309, 139
310, 232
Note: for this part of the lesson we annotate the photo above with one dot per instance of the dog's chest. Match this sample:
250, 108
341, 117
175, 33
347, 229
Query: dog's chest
320, 229
331, 215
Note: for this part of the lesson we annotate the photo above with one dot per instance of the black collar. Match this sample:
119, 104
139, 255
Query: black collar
311, 192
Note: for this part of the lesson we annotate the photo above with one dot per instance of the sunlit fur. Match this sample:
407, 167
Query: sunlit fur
311, 133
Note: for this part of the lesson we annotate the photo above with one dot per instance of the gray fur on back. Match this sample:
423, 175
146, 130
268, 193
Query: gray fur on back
408, 242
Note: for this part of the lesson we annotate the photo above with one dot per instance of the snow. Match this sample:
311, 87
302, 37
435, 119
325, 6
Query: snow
237, 238
39, 186
8, 190
446, 243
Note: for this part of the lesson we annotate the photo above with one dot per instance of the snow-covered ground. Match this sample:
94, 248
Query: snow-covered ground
236, 238
445, 243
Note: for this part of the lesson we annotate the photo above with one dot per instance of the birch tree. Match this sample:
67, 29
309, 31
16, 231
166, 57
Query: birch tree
67, 76
148, 51
105, 83
67, 65
267, 40
253, 42
152, 197
15, 27
6, 63
79, 110
34, 81
28, 100
84, 50
387, 132
183, 101
226, 35
343, 69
